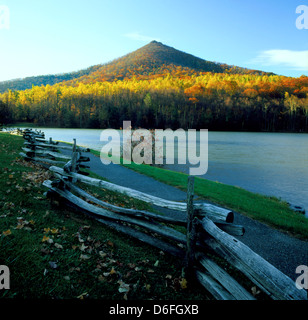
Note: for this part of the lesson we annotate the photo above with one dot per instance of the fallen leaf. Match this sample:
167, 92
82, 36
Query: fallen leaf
183, 283
144, 261
59, 246
82, 296
84, 257
7, 232
83, 247
45, 238
79, 238
112, 261
102, 254
112, 271
124, 288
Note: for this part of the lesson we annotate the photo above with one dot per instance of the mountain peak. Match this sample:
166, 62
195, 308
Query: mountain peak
152, 60
167, 56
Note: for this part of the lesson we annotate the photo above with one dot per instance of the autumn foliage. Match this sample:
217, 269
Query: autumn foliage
160, 87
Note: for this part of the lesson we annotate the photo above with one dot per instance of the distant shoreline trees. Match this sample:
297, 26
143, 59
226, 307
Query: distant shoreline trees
214, 101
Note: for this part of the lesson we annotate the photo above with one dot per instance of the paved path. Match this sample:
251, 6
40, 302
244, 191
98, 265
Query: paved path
283, 251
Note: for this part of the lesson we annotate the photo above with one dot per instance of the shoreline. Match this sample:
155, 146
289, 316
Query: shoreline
265, 179
179, 180
281, 248
303, 210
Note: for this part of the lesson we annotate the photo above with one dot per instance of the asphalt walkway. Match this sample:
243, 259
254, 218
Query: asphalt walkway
285, 252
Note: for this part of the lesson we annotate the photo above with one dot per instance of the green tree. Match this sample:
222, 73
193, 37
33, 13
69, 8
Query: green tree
5, 114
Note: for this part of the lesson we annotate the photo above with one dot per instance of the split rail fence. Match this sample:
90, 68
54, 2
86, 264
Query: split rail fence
210, 230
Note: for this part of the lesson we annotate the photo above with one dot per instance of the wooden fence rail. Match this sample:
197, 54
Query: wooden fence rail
209, 228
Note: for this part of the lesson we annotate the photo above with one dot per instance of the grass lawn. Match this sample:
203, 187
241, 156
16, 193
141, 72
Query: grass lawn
56, 253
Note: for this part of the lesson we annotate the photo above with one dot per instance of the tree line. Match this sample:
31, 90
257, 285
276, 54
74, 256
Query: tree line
214, 101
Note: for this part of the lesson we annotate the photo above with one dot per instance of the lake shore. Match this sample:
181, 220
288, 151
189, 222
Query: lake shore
279, 247
272, 164
282, 251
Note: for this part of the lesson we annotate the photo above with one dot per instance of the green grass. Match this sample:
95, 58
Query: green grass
269, 210
56, 253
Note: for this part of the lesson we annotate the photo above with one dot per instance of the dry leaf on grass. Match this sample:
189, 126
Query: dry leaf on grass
124, 287
7, 232
58, 246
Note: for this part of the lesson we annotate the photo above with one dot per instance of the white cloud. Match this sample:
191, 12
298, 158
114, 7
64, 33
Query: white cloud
297, 60
139, 37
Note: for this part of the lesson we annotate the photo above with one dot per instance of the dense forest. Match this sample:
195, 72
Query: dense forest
160, 87
213, 101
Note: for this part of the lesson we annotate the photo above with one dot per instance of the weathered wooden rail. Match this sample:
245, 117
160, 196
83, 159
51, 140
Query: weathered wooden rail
209, 229
47, 152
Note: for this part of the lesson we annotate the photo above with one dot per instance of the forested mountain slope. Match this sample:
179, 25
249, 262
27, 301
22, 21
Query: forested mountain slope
158, 86
154, 59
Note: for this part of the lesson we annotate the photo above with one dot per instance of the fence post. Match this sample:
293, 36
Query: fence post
74, 157
191, 232
32, 140
74, 160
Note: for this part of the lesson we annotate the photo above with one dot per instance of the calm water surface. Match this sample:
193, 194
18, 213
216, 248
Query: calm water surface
273, 164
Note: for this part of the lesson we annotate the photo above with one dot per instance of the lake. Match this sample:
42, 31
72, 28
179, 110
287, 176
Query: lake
274, 164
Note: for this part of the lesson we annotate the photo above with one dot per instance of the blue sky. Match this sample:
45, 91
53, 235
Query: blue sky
52, 36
